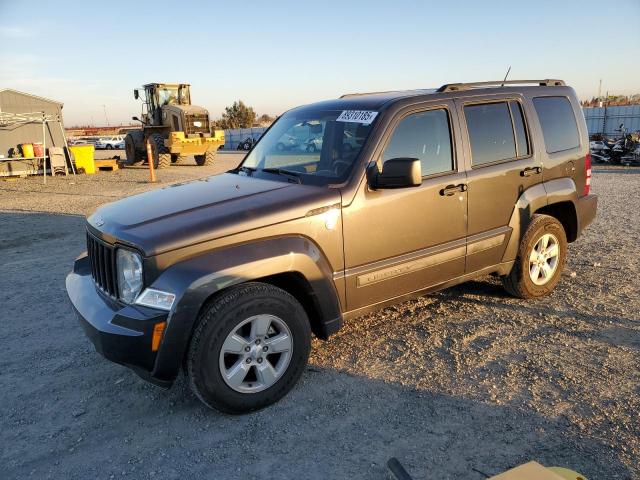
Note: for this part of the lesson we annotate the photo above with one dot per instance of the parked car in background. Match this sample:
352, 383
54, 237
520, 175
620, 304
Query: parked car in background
287, 142
110, 143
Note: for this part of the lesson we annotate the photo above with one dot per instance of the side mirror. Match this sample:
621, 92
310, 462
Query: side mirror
136, 95
136, 119
398, 173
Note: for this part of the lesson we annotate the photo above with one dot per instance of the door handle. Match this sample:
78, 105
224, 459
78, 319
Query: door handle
452, 189
527, 172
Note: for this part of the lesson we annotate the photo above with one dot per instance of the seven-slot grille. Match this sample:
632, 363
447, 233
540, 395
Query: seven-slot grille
103, 265
191, 128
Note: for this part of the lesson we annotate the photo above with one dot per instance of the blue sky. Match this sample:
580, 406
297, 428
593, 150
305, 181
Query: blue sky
276, 55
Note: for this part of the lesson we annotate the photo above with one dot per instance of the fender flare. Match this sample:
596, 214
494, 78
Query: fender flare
532, 200
196, 279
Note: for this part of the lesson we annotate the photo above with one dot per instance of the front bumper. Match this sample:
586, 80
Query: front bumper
121, 333
179, 143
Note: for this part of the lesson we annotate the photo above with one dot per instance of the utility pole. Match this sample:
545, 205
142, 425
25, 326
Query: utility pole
600, 92
104, 107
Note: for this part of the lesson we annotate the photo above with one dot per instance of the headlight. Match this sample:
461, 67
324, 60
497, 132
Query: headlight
129, 266
197, 124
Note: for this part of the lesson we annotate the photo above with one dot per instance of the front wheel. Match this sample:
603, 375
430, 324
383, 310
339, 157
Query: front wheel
207, 159
249, 349
542, 255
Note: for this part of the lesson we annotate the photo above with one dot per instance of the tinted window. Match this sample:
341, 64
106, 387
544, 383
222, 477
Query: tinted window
490, 132
521, 133
426, 136
558, 122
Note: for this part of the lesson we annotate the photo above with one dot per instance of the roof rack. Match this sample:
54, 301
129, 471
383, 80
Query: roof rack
359, 94
453, 87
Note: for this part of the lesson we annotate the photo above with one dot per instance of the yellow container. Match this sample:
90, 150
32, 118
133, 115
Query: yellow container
27, 150
83, 155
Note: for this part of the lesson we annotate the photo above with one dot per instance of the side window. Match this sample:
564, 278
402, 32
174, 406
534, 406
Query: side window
559, 127
426, 136
522, 145
490, 132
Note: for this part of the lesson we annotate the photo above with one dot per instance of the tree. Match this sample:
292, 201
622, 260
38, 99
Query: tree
265, 120
237, 115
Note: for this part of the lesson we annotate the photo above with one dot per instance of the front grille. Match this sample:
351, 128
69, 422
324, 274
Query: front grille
190, 128
103, 265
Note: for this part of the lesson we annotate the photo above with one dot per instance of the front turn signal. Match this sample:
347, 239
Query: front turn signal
158, 331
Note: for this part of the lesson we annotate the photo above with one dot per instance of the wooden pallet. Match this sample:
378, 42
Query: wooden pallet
105, 165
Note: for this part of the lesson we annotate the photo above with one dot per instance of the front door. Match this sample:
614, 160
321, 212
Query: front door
501, 167
397, 241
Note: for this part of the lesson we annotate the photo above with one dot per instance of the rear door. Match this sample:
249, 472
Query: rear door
501, 164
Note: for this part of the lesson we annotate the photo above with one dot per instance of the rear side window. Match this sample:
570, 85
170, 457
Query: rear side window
558, 122
490, 132
425, 136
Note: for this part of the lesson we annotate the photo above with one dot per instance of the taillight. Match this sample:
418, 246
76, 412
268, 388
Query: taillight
587, 172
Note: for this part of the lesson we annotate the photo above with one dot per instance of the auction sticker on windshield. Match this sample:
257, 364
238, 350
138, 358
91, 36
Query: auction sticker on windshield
357, 116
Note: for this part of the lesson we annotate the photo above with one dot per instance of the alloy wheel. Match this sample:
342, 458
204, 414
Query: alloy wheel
256, 353
543, 259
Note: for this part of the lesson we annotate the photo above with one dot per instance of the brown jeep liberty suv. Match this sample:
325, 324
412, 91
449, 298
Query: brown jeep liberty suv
342, 207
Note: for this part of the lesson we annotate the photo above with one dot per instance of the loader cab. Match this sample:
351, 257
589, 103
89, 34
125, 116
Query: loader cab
157, 95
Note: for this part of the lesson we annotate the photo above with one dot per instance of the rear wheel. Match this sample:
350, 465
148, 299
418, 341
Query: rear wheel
134, 148
159, 152
176, 157
249, 349
541, 258
207, 159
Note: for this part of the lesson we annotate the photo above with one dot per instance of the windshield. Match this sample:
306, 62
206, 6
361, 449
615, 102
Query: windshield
316, 147
167, 96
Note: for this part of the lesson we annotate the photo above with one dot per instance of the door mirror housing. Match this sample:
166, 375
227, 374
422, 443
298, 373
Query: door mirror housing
398, 173
136, 95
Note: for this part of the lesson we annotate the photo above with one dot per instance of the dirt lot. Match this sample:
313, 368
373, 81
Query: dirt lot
460, 384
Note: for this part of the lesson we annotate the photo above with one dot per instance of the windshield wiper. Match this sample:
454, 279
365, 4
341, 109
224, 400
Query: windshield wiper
286, 173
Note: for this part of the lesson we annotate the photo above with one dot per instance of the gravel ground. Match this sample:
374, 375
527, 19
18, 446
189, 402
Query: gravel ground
460, 384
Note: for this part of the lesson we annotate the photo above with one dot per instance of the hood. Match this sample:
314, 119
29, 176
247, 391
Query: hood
188, 213
186, 109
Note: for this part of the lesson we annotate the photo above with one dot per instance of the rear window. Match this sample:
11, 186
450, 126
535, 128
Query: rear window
558, 122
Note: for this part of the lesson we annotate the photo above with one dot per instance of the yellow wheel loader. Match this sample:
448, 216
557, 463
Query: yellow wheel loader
173, 127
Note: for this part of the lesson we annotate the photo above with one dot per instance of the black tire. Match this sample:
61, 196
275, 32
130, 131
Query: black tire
159, 152
518, 282
109, 146
221, 317
207, 159
176, 157
134, 148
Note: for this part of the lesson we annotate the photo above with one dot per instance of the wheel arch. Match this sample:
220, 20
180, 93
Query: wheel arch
556, 198
294, 264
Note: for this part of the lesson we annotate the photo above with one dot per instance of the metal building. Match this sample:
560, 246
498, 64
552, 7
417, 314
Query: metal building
21, 117
607, 120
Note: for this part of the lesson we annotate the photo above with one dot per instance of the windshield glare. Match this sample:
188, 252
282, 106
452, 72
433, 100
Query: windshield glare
312, 144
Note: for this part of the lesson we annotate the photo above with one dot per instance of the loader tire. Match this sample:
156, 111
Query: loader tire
207, 159
134, 148
159, 152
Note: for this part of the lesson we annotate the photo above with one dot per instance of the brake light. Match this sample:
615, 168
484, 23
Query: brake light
587, 172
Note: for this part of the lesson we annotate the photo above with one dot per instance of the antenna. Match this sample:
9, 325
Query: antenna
505, 77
